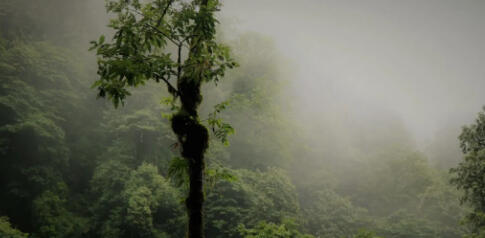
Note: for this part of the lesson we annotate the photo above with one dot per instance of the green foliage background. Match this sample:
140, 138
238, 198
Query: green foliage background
71, 166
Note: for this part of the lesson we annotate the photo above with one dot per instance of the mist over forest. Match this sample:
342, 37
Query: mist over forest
250, 119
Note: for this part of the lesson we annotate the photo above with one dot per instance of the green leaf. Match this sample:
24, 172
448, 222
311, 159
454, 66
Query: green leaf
101, 40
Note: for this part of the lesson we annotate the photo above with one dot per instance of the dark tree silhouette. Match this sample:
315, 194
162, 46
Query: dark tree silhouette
139, 51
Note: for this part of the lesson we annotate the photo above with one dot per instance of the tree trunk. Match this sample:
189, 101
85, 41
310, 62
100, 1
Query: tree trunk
195, 200
193, 136
194, 139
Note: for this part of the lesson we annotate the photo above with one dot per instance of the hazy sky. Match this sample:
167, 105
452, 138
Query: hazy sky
424, 60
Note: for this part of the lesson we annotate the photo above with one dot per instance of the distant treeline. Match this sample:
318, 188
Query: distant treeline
72, 166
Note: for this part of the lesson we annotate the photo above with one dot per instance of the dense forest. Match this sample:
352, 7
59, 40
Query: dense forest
73, 165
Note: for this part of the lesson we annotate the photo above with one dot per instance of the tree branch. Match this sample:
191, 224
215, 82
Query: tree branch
176, 42
164, 12
179, 61
171, 88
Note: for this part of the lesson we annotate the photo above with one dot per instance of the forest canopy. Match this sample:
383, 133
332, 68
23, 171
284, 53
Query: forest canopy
72, 165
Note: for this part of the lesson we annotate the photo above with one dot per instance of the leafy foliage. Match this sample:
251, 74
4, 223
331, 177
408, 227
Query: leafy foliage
365, 234
469, 176
137, 203
138, 50
6, 229
71, 166
220, 128
269, 230
472, 138
253, 197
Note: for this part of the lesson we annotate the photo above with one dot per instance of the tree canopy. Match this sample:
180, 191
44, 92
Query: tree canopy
74, 166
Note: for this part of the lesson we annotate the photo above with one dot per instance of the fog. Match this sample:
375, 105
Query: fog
341, 120
422, 61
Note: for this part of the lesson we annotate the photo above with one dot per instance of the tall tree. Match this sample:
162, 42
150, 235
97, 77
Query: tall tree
144, 34
469, 176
